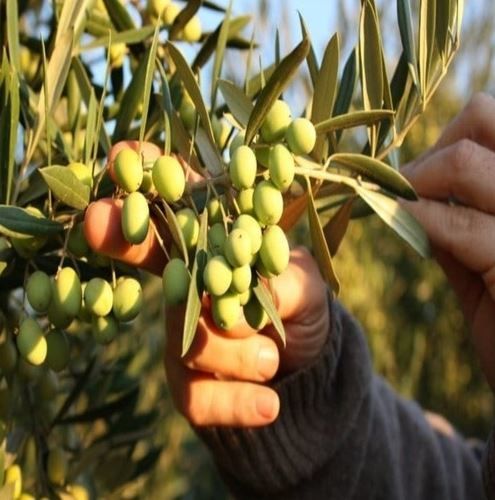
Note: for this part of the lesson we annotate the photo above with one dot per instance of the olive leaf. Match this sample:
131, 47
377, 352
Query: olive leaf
265, 299
354, 119
184, 16
193, 307
13, 34
238, 103
336, 228
18, 222
404, 16
278, 81
66, 186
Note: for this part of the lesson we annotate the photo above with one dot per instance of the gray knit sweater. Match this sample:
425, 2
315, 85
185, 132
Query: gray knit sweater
343, 433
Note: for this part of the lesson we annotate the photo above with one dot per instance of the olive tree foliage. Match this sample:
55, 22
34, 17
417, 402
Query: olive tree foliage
79, 384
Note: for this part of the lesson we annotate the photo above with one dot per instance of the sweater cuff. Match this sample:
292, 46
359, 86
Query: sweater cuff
318, 405
489, 467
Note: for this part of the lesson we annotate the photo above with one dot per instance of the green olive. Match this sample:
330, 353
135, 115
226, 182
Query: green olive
226, 310
98, 297
77, 243
281, 167
216, 209
39, 291
252, 227
67, 293
241, 279
83, 173
128, 170
127, 299
175, 280
245, 201
216, 238
242, 168
105, 328
192, 30
268, 203
8, 357
217, 275
237, 141
135, 219
254, 313
168, 178
189, 225
301, 136
31, 342
117, 54
56, 466
13, 475
238, 248
58, 350
274, 251
276, 122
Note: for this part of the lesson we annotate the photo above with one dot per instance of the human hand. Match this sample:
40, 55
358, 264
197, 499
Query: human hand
456, 184
220, 380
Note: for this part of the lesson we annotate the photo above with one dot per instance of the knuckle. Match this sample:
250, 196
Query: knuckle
198, 408
461, 221
462, 152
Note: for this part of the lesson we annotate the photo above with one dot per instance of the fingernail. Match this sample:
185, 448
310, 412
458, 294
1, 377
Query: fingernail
267, 362
267, 405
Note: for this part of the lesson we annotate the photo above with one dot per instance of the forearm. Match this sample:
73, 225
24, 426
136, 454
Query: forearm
341, 433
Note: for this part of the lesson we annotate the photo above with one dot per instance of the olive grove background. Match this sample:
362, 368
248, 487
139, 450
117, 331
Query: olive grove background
416, 332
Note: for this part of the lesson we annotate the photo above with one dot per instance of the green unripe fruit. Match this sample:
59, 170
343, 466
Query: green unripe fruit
255, 315
301, 136
216, 238
175, 280
84, 313
217, 275
127, 299
274, 251
57, 316
67, 292
135, 219
226, 310
78, 492
56, 466
117, 54
82, 172
241, 279
98, 297
244, 297
8, 357
276, 122
252, 227
128, 170
220, 131
58, 350
170, 13
76, 242
39, 291
268, 203
13, 475
48, 385
187, 112
237, 141
147, 185
281, 167
168, 178
192, 30
245, 201
189, 225
238, 248
105, 329
242, 168
156, 8
31, 342
216, 209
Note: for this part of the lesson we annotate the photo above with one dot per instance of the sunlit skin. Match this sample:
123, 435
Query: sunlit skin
221, 379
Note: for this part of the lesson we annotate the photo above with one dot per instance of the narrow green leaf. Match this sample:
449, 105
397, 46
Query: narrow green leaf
370, 57
442, 19
184, 16
13, 128
119, 15
193, 308
404, 16
354, 119
256, 83
311, 57
130, 101
182, 140
186, 75
426, 41
274, 87
13, 34
57, 71
320, 247
403, 223
66, 186
148, 83
209, 154
129, 37
378, 171
265, 299
325, 90
460, 15
208, 48
346, 87
336, 227
176, 232
238, 103
17, 222
219, 55
90, 137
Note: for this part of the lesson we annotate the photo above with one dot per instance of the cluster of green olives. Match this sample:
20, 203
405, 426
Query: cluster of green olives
244, 238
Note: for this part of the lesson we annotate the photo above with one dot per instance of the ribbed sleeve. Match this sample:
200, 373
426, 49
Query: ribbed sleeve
489, 467
343, 433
